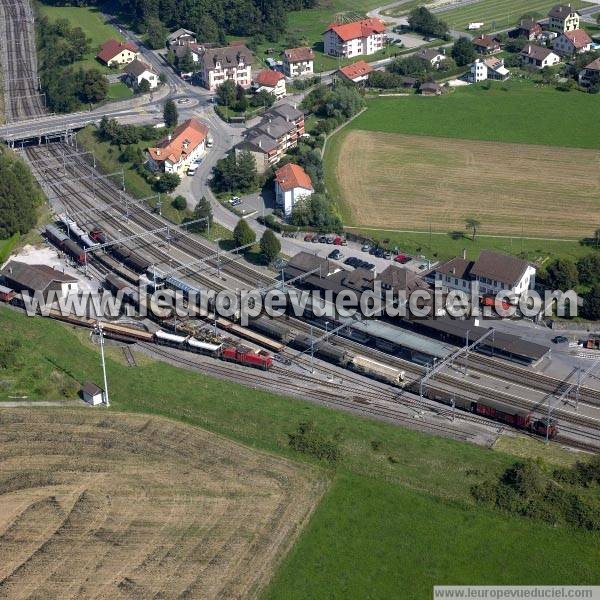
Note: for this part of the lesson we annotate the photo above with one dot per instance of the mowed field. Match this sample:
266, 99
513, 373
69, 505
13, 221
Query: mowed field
118, 506
499, 14
411, 182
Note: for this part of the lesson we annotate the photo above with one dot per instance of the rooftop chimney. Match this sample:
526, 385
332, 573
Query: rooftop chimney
453, 270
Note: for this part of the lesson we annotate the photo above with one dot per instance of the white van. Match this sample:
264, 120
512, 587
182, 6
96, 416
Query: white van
192, 169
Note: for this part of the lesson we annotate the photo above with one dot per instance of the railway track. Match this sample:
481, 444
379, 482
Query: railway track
22, 98
193, 248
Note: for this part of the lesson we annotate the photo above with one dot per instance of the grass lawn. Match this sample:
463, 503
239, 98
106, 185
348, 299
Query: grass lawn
513, 111
396, 519
119, 91
6, 247
91, 21
499, 14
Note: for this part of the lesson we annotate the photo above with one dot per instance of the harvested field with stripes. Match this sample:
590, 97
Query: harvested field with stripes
410, 182
98, 504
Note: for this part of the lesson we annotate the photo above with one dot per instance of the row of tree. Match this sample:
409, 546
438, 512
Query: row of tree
66, 87
19, 195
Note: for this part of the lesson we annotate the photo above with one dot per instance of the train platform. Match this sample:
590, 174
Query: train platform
391, 338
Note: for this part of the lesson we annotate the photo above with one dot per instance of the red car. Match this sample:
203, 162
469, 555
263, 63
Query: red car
402, 258
308, 237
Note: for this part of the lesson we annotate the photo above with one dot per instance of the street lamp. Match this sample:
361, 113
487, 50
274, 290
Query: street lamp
99, 332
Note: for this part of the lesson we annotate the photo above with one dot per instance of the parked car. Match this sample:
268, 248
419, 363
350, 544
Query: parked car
387, 255
335, 255
315, 239
323, 239
235, 201
402, 258
560, 339
330, 239
308, 237
352, 261
366, 247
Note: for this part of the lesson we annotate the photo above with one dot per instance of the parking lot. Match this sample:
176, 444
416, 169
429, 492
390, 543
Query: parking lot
354, 255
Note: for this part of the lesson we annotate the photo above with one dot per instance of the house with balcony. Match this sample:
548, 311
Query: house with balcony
298, 62
230, 62
563, 17
590, 74
177, 152
181, 37
278, 131
271, 81
528, 28
359, 38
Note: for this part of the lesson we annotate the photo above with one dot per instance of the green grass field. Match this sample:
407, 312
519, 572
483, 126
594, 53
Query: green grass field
515, 111
119, 91
387, 528
499, 14
92, 23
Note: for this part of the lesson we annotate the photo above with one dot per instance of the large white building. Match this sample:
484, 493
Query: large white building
177, 152
354, 39
491, 273
298, 62
219, 64
292, 183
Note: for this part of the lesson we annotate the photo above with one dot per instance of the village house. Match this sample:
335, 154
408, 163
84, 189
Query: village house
292, 184
270, 81
354, 39
181, 37
538, 57
219, 64
563, 17
113, 53
433, 57
491, 273
23, 277
484, 44
357, 72
298, 62
176, 152
137, 71
572, 42
590, 75
528, 28
92, 394
488, 68
278, 131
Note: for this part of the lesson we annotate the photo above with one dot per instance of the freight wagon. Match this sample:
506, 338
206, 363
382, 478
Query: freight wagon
377, 370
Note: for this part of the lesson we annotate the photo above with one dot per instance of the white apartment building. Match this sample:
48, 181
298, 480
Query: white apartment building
354, 39
231, 62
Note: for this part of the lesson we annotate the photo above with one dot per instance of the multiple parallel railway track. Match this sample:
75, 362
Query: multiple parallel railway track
185, 248
21, 93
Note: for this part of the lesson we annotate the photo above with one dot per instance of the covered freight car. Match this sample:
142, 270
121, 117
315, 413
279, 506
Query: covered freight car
271, 328
377, 370
55, 235
75, 250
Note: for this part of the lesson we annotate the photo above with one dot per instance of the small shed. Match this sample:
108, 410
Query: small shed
92, 394
6, 293
431, 89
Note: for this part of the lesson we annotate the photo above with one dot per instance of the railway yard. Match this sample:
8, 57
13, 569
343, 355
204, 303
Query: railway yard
335, 374
22, 98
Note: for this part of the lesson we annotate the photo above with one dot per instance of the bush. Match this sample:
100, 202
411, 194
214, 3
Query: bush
308, 440
243, 234
270, 246
179, 203
167, 183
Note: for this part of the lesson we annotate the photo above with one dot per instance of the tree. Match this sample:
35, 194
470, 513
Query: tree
203, 210
144, 86
156, 33
423, 21
588, 267
162, 78
463, 51
591, 303
94, 86
263, 98
270, 246
186, 63
170, 115
226, 93
167, 182
179, 203
473, 224
235, 173
562, 274
243, 234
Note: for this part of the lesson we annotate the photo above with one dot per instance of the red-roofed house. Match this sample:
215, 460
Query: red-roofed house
177, 152
298, 61
354, 39
117, 53
292, 183
572, 42
270, 81
356, 72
